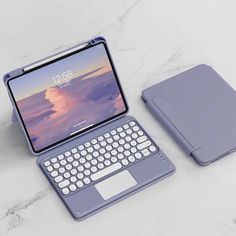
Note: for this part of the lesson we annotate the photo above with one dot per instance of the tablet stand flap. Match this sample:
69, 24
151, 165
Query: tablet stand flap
176, 126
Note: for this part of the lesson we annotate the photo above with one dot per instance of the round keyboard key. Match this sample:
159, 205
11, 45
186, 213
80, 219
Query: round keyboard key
120, 156
58, 179
82, 160
152, 148
128, 138
102, 150
74, 150
62, 170
80, 168
96, 146
56, 165
127, 146
114, 152
87, 144
126, 126
67, 175
60, 157
67, 154
49, 168
113, 159
64, 183
80, 184
72, 187
113, 132
68, 166
107, 155
124, 162
122, 134
133, 150
77, 156
115, 145
94, 169
75, 163
127, 153
101, 158
70, 159
89, 157
133, 143
120, 149
107, 135
83, 152
135, 128
131, 158
94, 162
46, 163
73, 179
116, 137
65, 191
73, 171
96, 154
121, 141
87, 172
87, 180
108, 148
80, 176
87, 165
81, 147
90, 149
140, 132
54, 173
63, 162
54, 160
94, 141
100, 138
109, 140
132, 123
119, 129
128, 131
134, 135
107, 162
100, 166
103, 143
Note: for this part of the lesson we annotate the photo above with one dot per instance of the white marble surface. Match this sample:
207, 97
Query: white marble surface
149, 41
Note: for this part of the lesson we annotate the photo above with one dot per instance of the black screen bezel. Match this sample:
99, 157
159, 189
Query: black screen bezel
84, 130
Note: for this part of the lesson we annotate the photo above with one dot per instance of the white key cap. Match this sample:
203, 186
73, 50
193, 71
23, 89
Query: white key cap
67, 154
126, 126
114, 152
73, 179
113, 132
124, 162
80, 176
128, 131
119, 129
74, 150
56, 165
103, 143
80, 184
115, 145
128, 139
96, 154
107, 155
94, 141
121, 141
49, 168
135, 128
77, 156
58, 179
89, 157
90, 149
54, 160
127, 153
127, 146
100, 138
73, 171
65, 191
82, 160
102, 150
67, 175
109, 140
108, 148
94, 169
81, 147
68, 166
132, 123
113, 159
133, 143
107, 135
87, 165
133, 149
94, 162
140, 132
86, 180
134, 135
100, 166
46, 163
131, 158
64, 183
83, 153
63, 162
106, 171
145, 152
138, 155
61, 170
120, 149
101, 158
141, 139
72, 187
144, 145
87, 144
87, 172
70, 159
80, 168
107, 162
120, 156
96, 146
152, 148
116, 137
122, 134
75, 163
60, 157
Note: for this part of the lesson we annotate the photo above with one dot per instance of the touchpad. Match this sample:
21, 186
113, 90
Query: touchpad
115, 184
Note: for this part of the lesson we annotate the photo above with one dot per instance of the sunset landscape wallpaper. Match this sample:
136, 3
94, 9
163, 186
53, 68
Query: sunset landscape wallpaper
52, 111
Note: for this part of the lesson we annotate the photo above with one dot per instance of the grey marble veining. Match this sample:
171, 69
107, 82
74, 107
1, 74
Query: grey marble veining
150, 41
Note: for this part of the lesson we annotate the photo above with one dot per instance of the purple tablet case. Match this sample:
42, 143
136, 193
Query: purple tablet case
198, 109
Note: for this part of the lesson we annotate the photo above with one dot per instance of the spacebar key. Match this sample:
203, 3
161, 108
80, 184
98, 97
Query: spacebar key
106, 171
